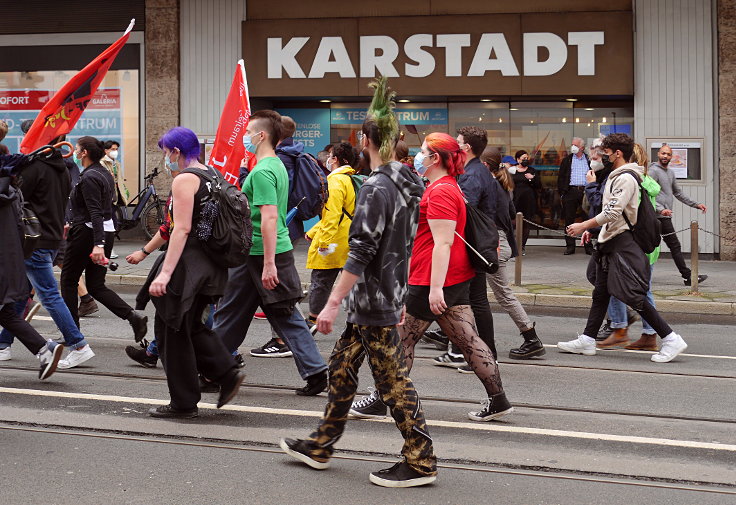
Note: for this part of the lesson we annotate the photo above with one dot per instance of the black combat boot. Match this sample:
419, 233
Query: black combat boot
531, 347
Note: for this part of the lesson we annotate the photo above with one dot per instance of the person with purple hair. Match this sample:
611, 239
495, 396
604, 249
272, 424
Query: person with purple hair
183, 283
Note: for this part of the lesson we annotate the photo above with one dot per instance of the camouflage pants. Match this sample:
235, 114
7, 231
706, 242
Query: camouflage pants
386, 359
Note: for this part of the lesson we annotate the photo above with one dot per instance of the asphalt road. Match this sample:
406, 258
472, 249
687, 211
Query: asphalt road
609, 428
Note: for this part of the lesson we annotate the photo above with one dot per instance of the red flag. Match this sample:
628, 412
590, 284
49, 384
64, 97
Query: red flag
228, 151
64, 109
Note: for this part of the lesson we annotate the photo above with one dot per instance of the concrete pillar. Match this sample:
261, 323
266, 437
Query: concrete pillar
727, 125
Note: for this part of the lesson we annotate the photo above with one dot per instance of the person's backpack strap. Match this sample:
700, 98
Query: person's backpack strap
641, 189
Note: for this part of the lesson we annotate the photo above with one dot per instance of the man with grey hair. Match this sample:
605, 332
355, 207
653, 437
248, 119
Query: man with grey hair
571, 185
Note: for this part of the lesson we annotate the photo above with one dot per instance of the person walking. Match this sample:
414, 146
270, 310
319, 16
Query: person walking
183, 286
269, 278
90, 240
328, 248
667, 180
571, 185
374, 279
621, 267
526, 189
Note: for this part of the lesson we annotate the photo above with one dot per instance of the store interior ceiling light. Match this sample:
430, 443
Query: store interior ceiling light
571, 99
564, 120
589, 108
513, 108
325, 101
604, 120
577, 119
486, 100
404, 100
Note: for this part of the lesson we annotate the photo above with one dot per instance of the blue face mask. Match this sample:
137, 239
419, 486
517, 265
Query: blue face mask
248, 143
419, 163
171, 166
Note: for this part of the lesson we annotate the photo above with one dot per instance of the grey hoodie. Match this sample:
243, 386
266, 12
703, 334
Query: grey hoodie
381, 239
669, 189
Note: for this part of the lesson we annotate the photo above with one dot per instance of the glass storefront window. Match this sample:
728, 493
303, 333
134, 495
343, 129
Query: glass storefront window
113, 113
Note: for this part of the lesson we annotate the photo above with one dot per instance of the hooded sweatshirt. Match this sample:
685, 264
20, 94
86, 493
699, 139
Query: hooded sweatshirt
45, 184
669, 189
381, 241
620, 195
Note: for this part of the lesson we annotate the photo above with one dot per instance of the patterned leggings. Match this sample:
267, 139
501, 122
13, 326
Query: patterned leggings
459, 325
386, 359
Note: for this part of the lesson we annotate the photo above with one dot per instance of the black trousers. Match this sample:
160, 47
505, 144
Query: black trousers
601, 297
192, 348
675, 248
80, 242
572, 200
18, 326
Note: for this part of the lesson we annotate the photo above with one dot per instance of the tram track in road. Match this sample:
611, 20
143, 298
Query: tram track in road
377, 457
438, 399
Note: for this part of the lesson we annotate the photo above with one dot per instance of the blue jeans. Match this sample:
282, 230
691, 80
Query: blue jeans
617, 310
40, 271
235, 312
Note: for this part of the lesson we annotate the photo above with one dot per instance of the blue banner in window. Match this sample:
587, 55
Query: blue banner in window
312, 127
405, 116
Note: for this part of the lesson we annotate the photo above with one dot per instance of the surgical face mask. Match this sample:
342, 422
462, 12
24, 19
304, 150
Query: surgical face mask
171, 166
113, 155
512, 169
419, 165
78, 161
574, 149
525, 163
248, 143
596, 165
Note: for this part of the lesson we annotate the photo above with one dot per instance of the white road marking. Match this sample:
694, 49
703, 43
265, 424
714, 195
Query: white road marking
709, 356
433, 423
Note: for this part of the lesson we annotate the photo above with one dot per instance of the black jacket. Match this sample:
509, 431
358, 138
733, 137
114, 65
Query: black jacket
13, 281
478, 187
505, 216
381, 240
45, 184
563, 177
92, 198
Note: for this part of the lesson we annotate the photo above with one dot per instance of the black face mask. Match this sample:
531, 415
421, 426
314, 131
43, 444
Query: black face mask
606, 160
525, 163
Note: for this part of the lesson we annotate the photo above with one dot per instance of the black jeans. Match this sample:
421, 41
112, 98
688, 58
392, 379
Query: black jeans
80, 242
598, 309
18, 326
675, 248
572, 200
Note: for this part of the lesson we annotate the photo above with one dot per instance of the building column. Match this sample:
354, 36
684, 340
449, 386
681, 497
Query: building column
727, 125
162, 78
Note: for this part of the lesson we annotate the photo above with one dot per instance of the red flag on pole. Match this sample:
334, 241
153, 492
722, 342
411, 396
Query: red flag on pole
64, 109
228, 150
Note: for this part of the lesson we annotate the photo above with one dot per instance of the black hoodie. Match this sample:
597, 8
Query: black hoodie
381, 239
46, 185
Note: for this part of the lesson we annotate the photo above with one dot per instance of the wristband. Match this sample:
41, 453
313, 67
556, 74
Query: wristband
143, 250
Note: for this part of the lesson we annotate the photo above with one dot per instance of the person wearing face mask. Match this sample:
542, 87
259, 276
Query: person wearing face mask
328, 248
571, 185
90, 240
526, 188
621, 267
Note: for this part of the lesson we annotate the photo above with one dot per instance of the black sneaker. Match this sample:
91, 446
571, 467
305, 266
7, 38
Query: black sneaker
301, 450
701, 278
436, 338
229, 389
465, 369
167, 411
139, 323
271, 349
87, 308
141, 356
605, 331
493, 408
448, 359
315, 384
401, 475
239, 360
369, 407
207, 386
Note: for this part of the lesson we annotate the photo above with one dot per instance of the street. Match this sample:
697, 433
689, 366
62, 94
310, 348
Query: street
585, 430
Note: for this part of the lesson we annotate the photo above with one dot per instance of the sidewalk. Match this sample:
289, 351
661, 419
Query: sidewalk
548, 279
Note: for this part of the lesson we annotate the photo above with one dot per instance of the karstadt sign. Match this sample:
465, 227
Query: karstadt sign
510, 54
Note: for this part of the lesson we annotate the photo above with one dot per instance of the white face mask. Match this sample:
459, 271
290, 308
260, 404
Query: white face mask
574, 149
113, 155
512, 169
596, 165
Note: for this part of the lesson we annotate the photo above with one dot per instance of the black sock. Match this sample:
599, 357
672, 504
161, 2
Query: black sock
86, 298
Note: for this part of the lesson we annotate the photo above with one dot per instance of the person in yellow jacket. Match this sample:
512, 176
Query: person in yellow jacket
328, 250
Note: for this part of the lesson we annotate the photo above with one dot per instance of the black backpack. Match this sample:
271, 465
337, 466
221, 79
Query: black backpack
224, 228
647, 231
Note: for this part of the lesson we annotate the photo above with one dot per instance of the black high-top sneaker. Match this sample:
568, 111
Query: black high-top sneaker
532, 346
493, 408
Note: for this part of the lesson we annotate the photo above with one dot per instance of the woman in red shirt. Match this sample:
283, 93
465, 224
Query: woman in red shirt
440, 274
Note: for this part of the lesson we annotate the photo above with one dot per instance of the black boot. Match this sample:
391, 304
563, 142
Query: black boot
139, 323
531, 347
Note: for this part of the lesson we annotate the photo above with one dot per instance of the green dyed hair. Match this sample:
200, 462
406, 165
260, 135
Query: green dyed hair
381, 111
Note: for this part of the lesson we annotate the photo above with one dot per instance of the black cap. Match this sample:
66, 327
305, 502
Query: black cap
26, 125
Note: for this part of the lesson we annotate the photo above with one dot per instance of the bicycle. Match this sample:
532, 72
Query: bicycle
150, 214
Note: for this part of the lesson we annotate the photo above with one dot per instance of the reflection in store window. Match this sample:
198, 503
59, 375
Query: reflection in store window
113, 113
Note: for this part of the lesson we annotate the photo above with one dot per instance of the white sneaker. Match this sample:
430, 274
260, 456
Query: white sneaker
76, 357
672, 345
581, 345
5, 354
49, 357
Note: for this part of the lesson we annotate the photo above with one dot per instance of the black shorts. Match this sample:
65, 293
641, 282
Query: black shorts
417, 300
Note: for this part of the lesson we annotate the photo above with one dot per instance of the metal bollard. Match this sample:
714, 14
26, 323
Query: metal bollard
694, 249
519, 241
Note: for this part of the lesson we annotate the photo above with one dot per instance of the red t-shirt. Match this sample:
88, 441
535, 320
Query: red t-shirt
441, 200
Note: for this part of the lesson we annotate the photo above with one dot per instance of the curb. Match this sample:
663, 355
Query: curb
528, 299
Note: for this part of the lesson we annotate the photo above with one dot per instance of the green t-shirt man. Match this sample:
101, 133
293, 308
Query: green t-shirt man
268, 184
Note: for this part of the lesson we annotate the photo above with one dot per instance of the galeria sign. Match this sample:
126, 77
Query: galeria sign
544, 54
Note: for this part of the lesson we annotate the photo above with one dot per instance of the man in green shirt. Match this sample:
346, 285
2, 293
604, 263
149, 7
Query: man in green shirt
269, 279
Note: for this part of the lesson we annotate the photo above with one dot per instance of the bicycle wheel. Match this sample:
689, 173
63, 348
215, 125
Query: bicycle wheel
152, 218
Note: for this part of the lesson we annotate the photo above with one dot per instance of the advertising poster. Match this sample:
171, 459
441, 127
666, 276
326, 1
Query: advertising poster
312, 127
102, 119
679, 163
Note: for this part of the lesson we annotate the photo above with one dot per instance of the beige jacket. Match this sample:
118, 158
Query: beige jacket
621, 194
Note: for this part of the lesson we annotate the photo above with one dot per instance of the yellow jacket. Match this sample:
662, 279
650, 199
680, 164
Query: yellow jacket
334, 225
